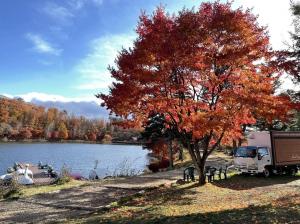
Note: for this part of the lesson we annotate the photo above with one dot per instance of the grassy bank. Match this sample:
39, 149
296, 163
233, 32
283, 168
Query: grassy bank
34, 190
28, 191
236, 200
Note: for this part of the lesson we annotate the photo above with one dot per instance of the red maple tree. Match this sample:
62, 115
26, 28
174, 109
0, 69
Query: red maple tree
207, 71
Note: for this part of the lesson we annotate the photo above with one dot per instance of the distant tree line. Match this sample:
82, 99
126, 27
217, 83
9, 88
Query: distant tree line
25, 121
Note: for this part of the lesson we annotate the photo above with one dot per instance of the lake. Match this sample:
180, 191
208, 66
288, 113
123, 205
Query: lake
79, 158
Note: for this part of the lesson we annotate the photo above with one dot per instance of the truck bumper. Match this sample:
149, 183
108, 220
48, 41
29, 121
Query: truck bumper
239, 170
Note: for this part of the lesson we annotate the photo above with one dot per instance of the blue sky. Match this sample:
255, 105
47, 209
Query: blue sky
60, 49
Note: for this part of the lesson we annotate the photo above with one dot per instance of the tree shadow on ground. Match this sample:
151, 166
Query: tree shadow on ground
67, 203
241, 182
73, 203
51, 216
163, 195
280, 213
89, 199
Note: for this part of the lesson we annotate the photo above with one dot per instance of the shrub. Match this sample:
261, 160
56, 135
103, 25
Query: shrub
2, 189
65, 176
154, 167
77, 176
10, 189
107, 138
164, 163
125, 169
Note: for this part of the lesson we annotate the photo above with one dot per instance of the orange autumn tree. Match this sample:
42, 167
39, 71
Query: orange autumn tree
207, 72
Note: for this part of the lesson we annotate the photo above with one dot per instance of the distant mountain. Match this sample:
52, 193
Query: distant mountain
4, 97
87, 109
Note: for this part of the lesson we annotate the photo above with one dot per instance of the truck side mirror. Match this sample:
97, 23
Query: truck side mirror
259, 156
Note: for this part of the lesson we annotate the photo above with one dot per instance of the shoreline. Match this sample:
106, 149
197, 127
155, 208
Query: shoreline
44, 141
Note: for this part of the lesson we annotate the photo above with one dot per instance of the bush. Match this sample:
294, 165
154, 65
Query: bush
64, 177
10, 189
107, 138
2, 189
164, 163
154, 167
124, 169
77, 176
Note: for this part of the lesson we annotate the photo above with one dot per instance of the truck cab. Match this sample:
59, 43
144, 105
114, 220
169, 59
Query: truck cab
253, 160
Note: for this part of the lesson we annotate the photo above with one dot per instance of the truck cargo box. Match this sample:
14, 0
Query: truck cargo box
261, 138
285, 148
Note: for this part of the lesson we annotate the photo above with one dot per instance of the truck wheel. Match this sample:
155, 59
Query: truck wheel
266, 172
293, 172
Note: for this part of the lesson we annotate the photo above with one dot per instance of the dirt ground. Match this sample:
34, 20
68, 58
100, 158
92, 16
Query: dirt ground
58, 206
239, 199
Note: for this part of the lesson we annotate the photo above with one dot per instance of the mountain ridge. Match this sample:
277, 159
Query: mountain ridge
89, 109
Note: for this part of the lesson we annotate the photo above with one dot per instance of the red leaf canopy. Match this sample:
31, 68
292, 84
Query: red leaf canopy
208, 71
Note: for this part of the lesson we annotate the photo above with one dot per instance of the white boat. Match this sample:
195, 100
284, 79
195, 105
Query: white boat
7, 176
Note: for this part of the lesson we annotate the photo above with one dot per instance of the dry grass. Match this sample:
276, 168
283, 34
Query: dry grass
236, 200
35, 190
187, 161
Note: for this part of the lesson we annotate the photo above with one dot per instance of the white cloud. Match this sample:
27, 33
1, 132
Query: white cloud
94, 85
59, 13
97, 2
287, 83
92, 69
45, 62
65, 11
78, 4
275, 14
7, 95
28, 97
42, 46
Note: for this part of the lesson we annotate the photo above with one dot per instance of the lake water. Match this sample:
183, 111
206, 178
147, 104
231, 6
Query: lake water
79, 158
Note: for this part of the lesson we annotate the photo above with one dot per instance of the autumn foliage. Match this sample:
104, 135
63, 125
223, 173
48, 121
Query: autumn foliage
207, 71
22, 121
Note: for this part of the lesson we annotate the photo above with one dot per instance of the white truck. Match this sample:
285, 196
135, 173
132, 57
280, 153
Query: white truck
269, 152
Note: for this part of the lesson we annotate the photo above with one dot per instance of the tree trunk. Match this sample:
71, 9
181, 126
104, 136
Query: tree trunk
234, 144
199, 162
240, 142
171, 154
180, 157
201, 175
199, 151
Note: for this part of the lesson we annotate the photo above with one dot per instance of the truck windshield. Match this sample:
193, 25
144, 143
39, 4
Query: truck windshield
245, 152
